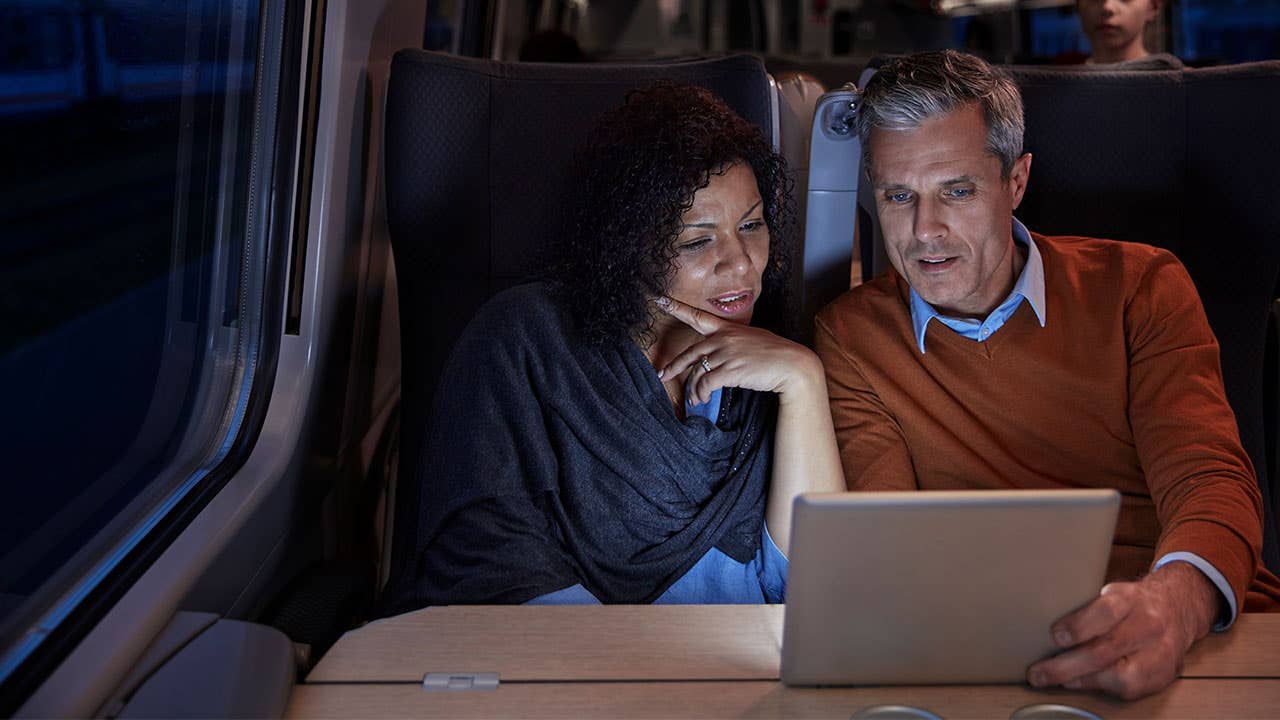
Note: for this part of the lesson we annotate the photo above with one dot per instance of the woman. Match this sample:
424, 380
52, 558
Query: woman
622, 432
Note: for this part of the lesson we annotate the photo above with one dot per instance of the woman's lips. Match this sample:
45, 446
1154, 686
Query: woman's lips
734, 303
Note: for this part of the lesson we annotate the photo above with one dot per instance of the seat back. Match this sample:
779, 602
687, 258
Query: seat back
1231, 246
1147, 156
798, 97
835, 164
478, 156
1187, 160
1109, 152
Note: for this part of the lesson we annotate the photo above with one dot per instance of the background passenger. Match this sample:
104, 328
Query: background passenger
1114, 27
994, 357
632, 431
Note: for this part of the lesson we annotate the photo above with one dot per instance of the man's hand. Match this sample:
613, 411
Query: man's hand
1130, 642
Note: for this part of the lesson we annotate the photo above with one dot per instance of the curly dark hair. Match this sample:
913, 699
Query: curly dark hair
636, 176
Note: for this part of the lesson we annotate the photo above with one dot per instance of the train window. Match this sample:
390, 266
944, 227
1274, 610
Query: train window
33, 41
1054, 32
441, 32
133, 282
646, 28
1209, 32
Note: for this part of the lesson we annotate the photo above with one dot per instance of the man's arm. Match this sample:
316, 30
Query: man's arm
1131, 640
1202, 481
873, 449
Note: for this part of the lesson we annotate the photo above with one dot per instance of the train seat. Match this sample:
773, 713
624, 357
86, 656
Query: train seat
1187, 160
798, 94
477, 159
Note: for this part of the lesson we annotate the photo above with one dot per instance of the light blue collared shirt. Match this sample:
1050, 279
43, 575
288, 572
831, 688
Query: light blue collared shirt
1030, 286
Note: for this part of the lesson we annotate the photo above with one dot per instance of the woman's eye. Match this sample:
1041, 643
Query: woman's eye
694, 244
751, 225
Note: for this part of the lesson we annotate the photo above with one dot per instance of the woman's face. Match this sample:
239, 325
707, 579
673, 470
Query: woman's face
723, 246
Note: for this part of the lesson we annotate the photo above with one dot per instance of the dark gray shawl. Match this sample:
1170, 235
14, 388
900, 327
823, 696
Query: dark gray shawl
551, 462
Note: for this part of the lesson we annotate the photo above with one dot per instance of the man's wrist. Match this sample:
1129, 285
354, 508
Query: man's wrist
1227, 607
1194, 596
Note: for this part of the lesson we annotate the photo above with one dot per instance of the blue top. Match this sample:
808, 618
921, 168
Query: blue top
1030, 286
716, 578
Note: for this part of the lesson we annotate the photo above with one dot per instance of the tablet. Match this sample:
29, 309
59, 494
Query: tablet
938, 587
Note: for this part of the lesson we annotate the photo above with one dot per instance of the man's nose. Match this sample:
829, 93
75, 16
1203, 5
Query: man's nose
929, 224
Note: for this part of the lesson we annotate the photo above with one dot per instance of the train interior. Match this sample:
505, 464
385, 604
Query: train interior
242, 236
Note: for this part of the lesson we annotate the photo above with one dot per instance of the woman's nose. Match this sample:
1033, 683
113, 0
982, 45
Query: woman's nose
735, 259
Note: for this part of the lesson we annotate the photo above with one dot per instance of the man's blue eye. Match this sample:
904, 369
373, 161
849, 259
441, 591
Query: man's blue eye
899, 197
960, 192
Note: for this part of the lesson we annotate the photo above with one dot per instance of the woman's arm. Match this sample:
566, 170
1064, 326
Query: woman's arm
805, 458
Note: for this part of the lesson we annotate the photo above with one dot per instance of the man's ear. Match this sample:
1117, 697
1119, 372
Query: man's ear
1154, 11
1018, 176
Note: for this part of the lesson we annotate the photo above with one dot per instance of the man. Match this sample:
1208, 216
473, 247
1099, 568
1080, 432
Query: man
996, 358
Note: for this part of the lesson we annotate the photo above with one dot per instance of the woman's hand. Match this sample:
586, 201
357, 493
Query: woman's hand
741, 356
804, 447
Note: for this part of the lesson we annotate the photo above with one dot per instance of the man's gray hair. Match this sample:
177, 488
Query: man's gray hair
908, 90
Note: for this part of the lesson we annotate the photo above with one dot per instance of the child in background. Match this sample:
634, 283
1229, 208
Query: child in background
1114, 27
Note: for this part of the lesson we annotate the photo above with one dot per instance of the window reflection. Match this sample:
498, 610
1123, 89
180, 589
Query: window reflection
126, 127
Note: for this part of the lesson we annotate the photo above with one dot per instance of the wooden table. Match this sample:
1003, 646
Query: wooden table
701, 661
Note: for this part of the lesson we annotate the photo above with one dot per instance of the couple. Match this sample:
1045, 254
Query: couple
634, 429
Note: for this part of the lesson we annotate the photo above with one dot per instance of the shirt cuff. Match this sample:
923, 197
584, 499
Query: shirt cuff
1215, 577
773, 567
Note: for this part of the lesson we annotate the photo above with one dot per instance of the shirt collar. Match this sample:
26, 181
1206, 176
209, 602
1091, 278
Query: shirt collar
1029, 286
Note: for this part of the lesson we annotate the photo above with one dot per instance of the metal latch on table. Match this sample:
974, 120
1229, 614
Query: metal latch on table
460, 681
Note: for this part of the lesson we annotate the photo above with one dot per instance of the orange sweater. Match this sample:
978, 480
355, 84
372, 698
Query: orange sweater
1121, 388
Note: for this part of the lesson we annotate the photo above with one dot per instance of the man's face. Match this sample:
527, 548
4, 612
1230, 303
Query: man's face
945, 211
